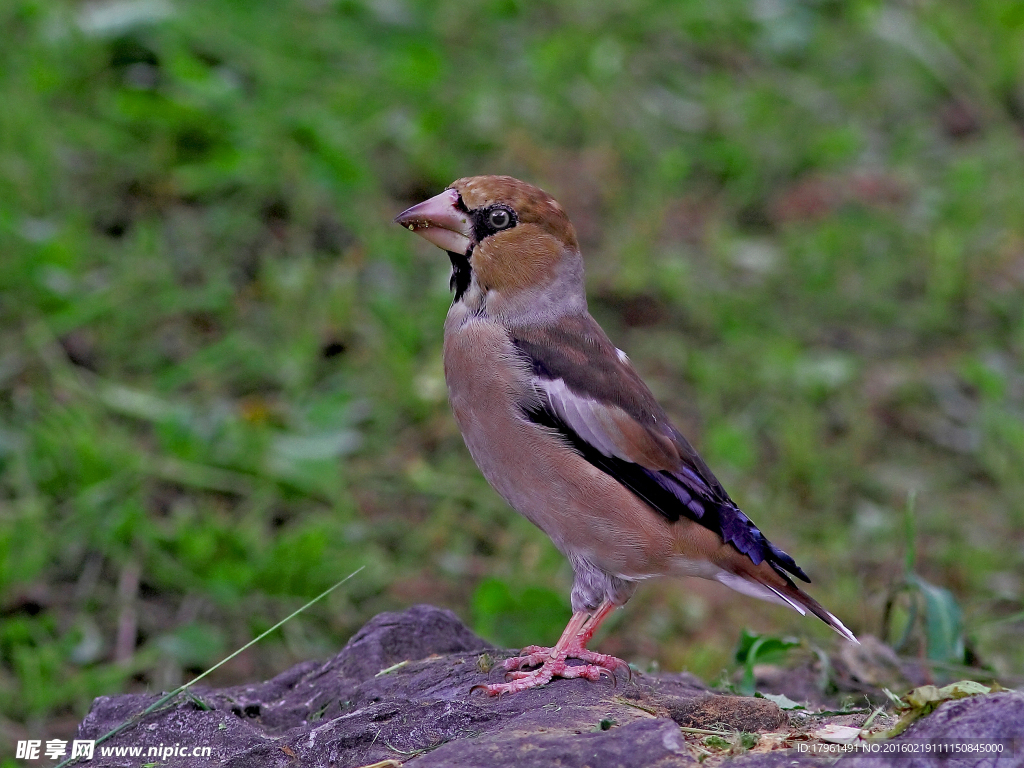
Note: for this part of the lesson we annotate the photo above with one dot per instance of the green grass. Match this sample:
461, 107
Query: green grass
220, 380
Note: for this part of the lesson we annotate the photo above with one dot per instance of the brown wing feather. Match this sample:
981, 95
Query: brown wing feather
593, 396
579, 353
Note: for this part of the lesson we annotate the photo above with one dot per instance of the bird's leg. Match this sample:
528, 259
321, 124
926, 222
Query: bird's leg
571, 645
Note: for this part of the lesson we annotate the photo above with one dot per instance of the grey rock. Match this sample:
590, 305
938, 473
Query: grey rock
401, 690
974, 720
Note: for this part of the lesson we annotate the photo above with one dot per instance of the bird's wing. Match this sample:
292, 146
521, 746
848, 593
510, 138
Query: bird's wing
591, 395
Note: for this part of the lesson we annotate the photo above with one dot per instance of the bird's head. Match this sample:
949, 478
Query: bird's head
502, 234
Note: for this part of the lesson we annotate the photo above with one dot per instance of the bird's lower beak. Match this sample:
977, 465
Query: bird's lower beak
440, 221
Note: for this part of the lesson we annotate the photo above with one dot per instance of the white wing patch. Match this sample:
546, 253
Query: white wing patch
583, 415
772, 595
760, 591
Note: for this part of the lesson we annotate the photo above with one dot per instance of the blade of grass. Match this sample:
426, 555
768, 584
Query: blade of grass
180, 689
943, 622
910, 532
871, 718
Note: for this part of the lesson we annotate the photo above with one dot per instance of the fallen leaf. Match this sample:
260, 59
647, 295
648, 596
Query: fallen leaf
925, 699
837, 734
782, 701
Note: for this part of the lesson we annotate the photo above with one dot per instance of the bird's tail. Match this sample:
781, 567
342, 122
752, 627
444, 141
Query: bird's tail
797, 598
766, 583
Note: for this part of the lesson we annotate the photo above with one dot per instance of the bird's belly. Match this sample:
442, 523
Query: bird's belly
585, 512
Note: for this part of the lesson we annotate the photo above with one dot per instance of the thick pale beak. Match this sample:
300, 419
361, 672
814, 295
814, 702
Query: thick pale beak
440, 221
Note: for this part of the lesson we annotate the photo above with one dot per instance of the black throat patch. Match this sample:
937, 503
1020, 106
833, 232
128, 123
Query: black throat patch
462, 273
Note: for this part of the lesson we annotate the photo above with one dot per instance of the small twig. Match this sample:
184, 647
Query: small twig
705, 731
411, 753
127, 621
836, 712
628, 703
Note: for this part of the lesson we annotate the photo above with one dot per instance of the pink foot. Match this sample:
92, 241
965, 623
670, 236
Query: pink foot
535, 655
553, 664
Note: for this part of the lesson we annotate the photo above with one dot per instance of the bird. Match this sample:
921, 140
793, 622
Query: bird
564, 429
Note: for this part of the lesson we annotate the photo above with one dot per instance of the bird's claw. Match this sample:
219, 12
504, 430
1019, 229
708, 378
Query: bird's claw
594, 668
531, 656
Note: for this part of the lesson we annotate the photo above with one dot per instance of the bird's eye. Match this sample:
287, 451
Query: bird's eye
499, 218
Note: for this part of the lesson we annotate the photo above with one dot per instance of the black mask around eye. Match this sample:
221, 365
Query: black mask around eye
494, 218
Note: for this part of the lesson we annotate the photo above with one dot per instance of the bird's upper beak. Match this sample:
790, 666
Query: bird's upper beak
440, 221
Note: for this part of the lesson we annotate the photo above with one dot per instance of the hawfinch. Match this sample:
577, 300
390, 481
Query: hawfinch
565, 430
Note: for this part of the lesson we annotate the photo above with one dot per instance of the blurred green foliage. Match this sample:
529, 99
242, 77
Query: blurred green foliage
220, 386
930, 616
753, 648
519, 616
